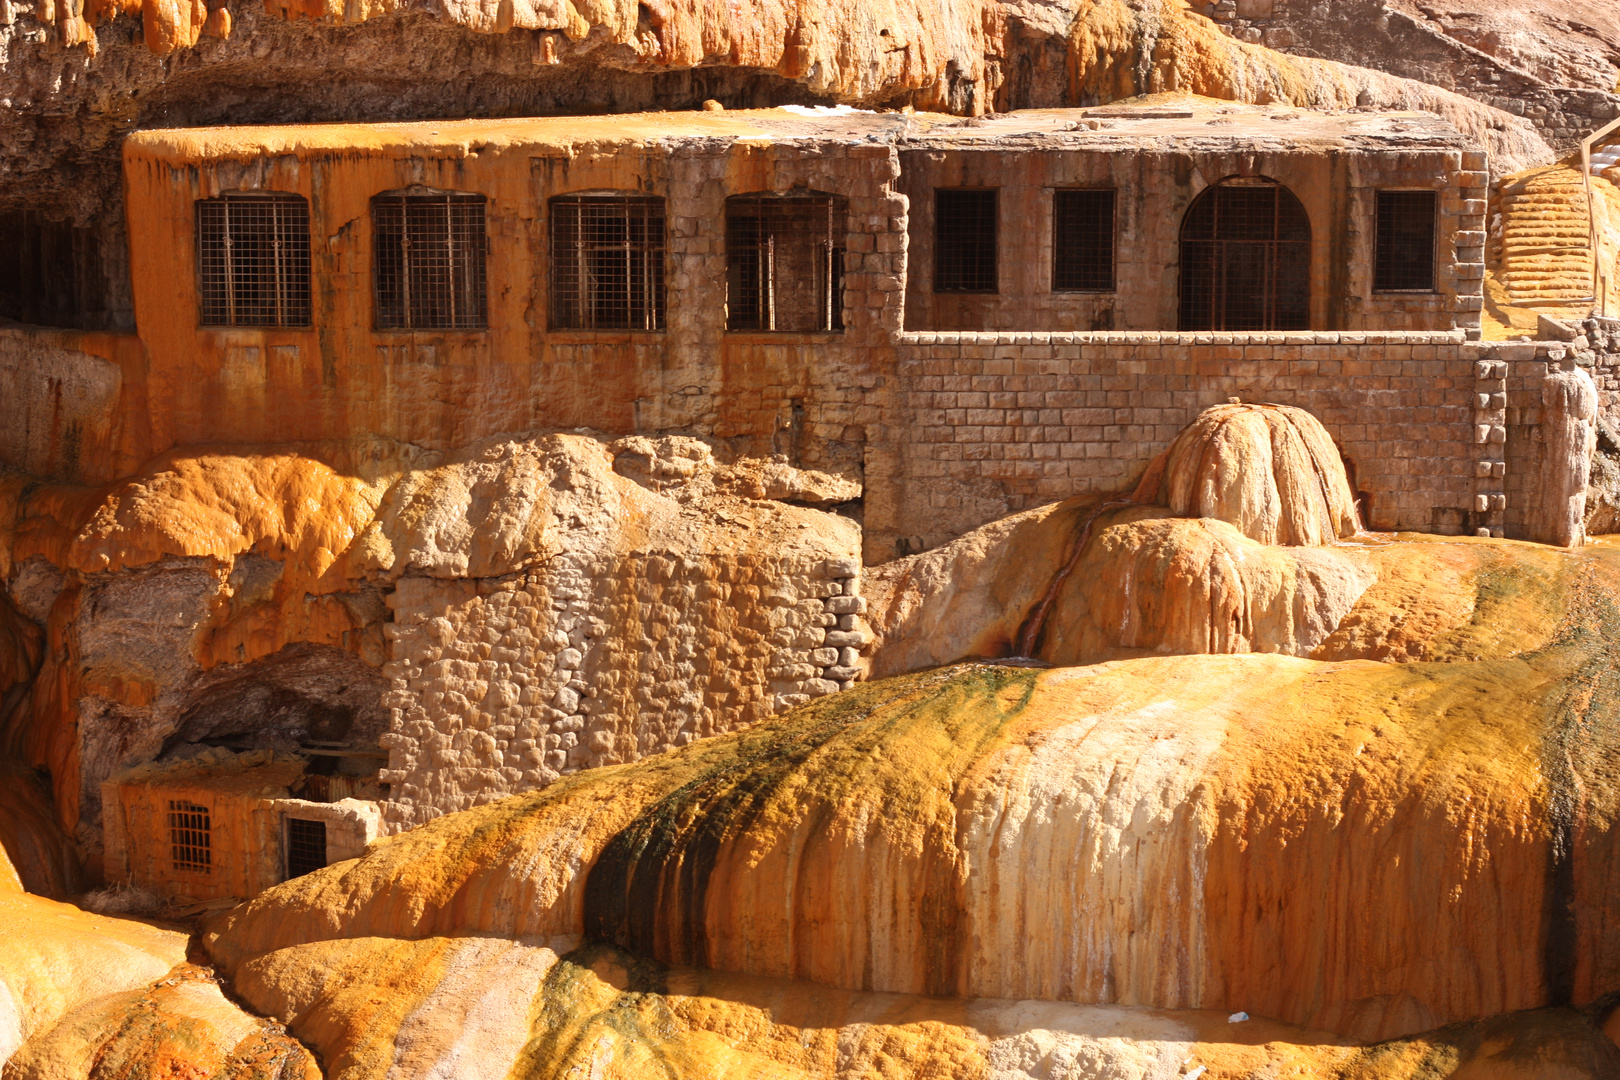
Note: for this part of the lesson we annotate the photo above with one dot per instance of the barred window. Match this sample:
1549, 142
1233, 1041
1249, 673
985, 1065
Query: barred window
607, 262
190, 834
1405, 256
964, 241
785, 263
1245, 258
1083, 240
429, 261
253, 260
306, 846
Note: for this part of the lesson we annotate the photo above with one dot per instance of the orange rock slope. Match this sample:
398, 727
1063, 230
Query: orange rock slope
1370, 848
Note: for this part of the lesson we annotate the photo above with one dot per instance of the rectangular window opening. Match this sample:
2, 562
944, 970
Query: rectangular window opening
190, 833
306, 846
607, 263
253, 260
1083, 240
964, 241
1406, 240
785, 264
429, 255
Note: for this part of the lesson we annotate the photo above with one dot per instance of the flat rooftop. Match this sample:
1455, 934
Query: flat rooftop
1161, 122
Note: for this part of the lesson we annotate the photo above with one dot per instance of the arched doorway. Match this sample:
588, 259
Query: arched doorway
1246, 258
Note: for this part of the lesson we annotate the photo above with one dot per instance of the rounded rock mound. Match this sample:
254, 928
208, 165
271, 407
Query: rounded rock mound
1270, 470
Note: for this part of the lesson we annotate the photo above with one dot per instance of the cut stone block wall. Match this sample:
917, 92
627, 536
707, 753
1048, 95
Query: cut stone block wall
990, 424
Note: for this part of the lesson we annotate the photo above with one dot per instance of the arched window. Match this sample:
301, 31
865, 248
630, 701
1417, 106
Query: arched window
1246, 259
428, 260
253, 260
785, 263
607, 262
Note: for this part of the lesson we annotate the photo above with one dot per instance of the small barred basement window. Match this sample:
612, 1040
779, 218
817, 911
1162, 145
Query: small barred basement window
1405, 252
785, 263
253, 260
190, 836
607, 263
1246, 259
429, 261
306, 846
964, 241
1083, 240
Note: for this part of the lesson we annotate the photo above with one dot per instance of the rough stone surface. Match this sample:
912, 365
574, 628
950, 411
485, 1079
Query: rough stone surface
804, 848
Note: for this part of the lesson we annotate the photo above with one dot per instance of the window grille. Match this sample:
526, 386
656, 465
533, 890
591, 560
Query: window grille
1083, 240
607, 263
964, 241
1404, 261
1245, 259
189, 836
253, 260
306, 846
785, 263
429, 261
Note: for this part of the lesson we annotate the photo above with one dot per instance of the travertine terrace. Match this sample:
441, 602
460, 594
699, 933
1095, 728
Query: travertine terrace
1005, 539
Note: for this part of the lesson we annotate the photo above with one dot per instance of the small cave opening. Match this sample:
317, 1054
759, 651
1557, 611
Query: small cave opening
316, 702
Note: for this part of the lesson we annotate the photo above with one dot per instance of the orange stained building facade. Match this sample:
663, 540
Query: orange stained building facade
816, 394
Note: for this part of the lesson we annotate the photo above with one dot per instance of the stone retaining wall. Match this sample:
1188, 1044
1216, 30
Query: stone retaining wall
501, 685
990, 424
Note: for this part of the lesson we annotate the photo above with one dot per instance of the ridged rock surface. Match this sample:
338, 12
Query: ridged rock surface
180, 1026
1541, 242
1374, 849
1270, 470
1222, 548
480, 1006
55, 958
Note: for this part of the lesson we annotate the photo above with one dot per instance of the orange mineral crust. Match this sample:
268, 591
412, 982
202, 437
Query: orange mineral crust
1354, 846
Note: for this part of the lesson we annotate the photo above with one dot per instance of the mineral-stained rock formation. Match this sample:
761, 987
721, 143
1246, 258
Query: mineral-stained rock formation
1206, 575
55, 958
529, 606
179, 1025
456, 1003
1188, 832
1271, 471
1569, 402
1125, 47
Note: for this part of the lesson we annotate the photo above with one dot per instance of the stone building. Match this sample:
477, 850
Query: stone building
946, 320
761, 277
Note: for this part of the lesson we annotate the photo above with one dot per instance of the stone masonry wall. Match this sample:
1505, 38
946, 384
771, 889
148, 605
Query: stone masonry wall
501, 685
991, 424
1522, 366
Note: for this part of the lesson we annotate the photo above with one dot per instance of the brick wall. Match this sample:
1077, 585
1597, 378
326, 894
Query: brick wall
990, 424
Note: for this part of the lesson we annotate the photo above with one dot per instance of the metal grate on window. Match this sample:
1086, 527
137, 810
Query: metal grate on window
253, 260
429, 261
1404, 261
607, 263
189, 836
785, 263
1245, 259
1083, 240
964, 241
306, 846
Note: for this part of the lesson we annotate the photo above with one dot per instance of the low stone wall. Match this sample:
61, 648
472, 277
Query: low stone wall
991, 424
